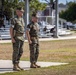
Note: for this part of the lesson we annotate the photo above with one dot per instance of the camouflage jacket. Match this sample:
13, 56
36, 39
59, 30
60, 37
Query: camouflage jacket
33, 29
18, 26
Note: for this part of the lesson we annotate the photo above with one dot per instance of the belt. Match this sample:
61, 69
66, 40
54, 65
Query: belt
20, 34
34, 37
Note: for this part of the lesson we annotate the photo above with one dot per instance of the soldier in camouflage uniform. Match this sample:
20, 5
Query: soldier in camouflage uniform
16, 32
32, 35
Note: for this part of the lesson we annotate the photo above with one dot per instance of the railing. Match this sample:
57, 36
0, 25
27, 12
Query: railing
4, 33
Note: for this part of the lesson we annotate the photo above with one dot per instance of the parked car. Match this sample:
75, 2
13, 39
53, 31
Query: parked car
69, 25
62, 32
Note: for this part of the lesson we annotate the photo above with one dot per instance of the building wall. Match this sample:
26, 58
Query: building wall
47, 12
45, 15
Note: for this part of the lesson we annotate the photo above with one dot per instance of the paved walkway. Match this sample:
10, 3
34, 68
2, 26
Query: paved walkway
6, 65
45, 39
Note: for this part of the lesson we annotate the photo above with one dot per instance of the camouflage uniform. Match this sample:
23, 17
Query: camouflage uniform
34, 46
18, 26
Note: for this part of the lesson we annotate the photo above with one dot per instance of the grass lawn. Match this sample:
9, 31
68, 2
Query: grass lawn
52, 51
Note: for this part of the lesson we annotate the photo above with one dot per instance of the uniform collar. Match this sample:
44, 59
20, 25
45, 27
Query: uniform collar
33, 22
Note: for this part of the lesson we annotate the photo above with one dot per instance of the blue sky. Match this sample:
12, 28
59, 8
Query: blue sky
60, 1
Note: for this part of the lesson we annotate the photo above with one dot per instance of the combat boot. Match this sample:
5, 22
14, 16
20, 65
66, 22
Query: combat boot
32, 66
15, 68
19, 67
37, 65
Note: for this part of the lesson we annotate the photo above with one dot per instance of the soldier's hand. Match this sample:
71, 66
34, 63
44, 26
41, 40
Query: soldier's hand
13, 40
30, 42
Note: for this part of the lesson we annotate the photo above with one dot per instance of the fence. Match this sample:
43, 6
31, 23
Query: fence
4, 31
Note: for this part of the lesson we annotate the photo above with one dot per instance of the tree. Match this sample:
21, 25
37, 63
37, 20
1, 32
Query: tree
69, 3
35, 5
9, 5
70, 13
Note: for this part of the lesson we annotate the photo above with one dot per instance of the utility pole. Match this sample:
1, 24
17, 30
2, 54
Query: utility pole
56, 19
12, 13
51, 2
26, 12
51, 11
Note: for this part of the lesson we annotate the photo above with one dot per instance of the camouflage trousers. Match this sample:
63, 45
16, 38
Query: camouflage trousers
34, 52
17, 51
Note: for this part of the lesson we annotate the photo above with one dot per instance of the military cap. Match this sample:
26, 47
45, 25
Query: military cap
20, 9
34, 15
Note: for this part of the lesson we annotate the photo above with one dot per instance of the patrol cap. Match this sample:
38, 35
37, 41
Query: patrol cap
20, 9
34, 15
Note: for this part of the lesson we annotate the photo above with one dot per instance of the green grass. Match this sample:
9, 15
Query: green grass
52, 51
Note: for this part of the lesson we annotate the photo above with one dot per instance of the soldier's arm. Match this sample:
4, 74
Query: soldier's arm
28, 36
12, 31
